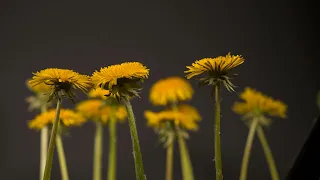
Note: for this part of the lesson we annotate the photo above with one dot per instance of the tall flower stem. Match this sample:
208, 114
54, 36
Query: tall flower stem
247, 150
97, 159
217, 144
43, 145
169, 165
135, 141
112, 167
62, 158
47, 171
268, 154
186, 165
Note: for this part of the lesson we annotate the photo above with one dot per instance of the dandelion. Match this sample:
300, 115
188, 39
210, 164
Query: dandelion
217, 72
123, 81
170, 90
68, 118
170, 123
62, 83
256, 109
174, 121
99, 93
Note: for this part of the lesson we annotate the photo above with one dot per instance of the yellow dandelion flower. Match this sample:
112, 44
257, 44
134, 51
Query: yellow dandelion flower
217, 69
71, 118
67, 117
121, 79
98, 93
256, 101
61, 79
121, 113
186, 117
93, 109
41, 88
170, 90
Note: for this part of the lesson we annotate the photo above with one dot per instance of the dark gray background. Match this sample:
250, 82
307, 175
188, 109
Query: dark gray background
277, 39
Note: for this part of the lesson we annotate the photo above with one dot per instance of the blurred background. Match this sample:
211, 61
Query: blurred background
278, 39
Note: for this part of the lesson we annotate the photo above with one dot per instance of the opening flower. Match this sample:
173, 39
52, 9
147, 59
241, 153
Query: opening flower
170, 90
67, 117
121, 79
255, 101
185, 117
61, 80
95, 110
217, 69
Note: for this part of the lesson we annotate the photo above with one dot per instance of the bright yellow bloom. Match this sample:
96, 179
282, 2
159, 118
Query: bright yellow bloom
256, 101
185, 116
61, 79
218, 66
170, 90
93, 109
41, 88
98, 93
118, 78
67, 117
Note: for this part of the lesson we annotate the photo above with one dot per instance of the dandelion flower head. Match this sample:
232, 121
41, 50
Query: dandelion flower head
120, 79
170, 90
185, 116
99, 93
218, 66
67, 117
61, 79
94, 109
256, 101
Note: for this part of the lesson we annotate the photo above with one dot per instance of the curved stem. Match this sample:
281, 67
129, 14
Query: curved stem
97, 160
268, 154
43, 145
217, 144
112, 167
135, 141
169, 165
62, 159
47, 171
247, 150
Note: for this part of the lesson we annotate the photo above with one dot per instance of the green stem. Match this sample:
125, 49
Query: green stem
135, 141
97, 159
247, 150
112, 167
217, 144
186, 165
268, 154
169, 166
62, 158
43, 145
47, 170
